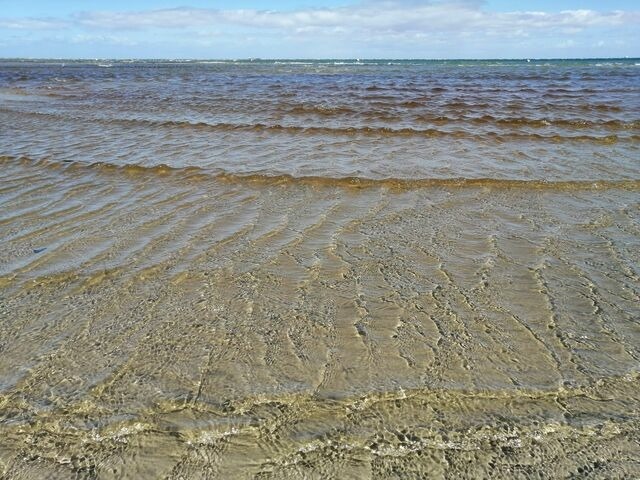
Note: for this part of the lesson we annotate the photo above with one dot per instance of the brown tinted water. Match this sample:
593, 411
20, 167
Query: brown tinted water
283, 270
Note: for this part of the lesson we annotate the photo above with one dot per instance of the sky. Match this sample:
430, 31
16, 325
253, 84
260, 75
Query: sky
428, 29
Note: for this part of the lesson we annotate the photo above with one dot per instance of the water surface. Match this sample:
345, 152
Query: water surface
320, 269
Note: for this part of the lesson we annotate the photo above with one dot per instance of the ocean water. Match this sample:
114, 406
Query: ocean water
320, 269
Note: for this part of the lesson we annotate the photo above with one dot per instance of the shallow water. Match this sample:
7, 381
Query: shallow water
284, 270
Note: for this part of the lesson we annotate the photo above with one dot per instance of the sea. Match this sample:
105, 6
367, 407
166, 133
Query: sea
334, 268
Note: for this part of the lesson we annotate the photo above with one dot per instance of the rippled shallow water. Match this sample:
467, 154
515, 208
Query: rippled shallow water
320, 269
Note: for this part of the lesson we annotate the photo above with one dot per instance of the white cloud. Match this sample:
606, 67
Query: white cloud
82, 38
395, 28
32, 23
371, 16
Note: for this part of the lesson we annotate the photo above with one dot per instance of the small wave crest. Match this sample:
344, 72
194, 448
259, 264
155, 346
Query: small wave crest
383, 131
194, 173
370, 131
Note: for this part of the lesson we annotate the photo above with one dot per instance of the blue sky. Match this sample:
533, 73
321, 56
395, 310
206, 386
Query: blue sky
319, 29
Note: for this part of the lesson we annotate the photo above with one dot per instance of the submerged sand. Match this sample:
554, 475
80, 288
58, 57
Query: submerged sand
167, 326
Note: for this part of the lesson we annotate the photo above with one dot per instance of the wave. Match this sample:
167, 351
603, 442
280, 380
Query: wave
462, 111
557, 122
318, 110
194, 173
374, 114
372, 131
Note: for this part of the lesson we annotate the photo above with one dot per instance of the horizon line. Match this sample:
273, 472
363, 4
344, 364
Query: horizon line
273, 59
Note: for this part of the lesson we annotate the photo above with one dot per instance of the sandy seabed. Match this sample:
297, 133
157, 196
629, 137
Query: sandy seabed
155, 326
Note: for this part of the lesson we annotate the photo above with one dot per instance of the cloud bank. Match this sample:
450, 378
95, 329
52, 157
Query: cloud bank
378, 28
371, 17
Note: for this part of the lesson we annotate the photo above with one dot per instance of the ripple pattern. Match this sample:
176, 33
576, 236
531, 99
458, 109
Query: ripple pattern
153, 325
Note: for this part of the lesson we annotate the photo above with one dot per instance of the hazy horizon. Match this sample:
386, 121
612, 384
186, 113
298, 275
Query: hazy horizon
319, 59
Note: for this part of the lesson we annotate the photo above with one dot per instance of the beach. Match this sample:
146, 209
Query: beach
320, 269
